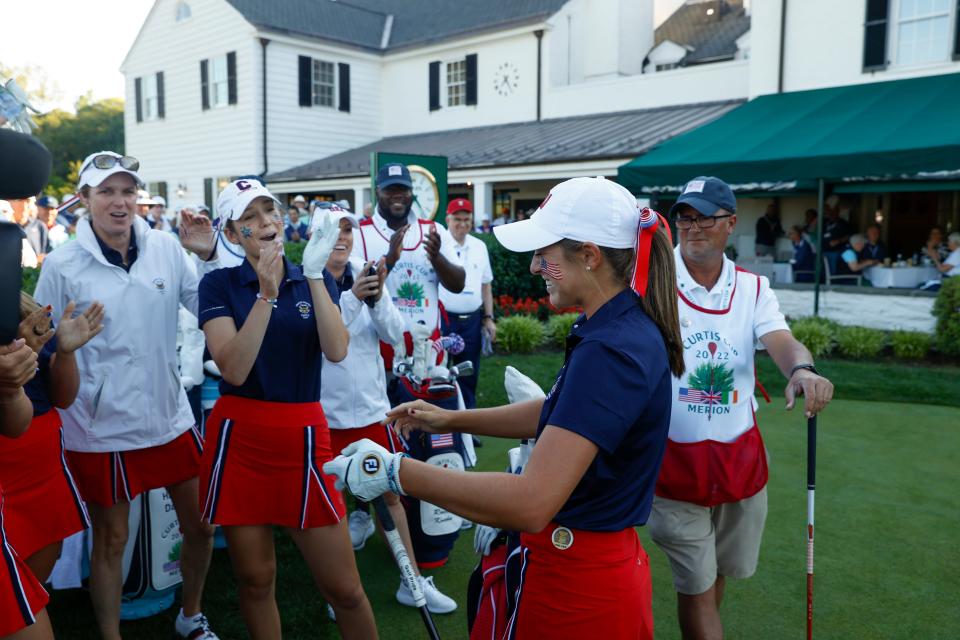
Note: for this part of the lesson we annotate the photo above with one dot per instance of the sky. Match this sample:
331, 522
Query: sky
80, 44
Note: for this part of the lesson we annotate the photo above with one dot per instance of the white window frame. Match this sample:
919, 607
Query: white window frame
893, 35
219, 82
455, 92
317, 84
151, 98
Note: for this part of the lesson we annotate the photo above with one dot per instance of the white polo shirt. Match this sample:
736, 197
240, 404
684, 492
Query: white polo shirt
473, 256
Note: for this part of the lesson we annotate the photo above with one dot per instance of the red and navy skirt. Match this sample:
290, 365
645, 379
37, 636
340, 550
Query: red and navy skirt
43, 504
582, 584
263, 465
110, 477
382, 434
21, 594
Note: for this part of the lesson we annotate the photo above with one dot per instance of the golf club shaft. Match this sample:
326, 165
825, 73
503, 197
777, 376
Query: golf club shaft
811, 486
403, 561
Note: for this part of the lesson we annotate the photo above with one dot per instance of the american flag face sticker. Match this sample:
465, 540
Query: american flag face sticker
550, 269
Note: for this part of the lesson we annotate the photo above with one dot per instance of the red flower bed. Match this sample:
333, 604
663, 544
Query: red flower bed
540, 307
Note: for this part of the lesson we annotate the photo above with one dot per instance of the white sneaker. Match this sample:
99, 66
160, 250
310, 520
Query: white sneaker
331, 613
361, 528
194, 628
436, 601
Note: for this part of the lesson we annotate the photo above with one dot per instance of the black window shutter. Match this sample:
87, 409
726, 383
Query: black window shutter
344, 81
208, 193
204, 85
305, 66
875, 35
138, 98
232, 77
434, 86
956, 35
162, 190
472, 78
160, 110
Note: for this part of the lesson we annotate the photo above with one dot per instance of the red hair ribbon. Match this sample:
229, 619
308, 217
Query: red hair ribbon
649, 221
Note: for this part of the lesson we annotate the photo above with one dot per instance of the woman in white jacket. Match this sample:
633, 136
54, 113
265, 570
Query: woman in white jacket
130, 428
353, 392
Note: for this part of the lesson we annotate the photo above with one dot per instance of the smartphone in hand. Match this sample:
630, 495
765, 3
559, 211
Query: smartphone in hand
372, 271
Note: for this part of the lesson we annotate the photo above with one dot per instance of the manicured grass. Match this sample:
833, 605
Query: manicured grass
887, 528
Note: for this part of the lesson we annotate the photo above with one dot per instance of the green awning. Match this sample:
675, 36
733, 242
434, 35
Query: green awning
897, 186
890, 129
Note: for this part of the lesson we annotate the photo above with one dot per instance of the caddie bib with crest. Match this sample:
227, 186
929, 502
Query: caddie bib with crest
715, 453
413, 283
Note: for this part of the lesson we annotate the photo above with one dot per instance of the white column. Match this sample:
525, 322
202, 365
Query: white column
482, 202
361, 196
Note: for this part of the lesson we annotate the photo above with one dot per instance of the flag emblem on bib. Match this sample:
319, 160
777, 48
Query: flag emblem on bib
711, 385
441, 440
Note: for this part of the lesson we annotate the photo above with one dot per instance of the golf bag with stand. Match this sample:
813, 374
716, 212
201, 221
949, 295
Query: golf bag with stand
423, 375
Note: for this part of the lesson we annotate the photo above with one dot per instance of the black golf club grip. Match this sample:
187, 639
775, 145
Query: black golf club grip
383, 513
811, 452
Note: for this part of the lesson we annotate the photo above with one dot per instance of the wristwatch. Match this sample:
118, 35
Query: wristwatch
488, 317
808, 366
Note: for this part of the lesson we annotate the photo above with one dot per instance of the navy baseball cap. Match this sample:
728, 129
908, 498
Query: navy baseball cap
707, 195
394, 173
48, 202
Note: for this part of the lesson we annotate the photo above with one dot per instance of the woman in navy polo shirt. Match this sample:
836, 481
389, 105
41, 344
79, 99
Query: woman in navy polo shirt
601, 431
267, 324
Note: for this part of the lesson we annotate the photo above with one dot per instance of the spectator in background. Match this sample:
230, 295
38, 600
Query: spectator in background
25, 214
47, 213
950, 266
804, 258
485, 226
810, 226
836, 234
874, 249
144, 202
296, 229
158, 215
935, 248
368, 210
851, 261
768, 229
521, 215
503, 219
28, 257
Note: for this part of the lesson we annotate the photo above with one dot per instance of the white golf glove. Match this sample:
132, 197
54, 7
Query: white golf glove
483, 537
15, 108
520, 387
326, 231
367, 470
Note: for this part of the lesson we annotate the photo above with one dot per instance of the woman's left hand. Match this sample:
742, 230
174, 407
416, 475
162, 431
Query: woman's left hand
35, 329
326, 231
74, 332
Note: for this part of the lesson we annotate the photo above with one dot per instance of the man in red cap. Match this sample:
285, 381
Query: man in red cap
470, 312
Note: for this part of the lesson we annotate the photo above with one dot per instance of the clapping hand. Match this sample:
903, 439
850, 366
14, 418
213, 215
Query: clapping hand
432, 244
74, 332
270, 268
326, 232
197, 234
36, 329
395, 249
18, 364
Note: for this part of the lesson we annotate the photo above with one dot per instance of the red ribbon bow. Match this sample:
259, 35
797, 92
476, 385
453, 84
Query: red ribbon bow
649, 221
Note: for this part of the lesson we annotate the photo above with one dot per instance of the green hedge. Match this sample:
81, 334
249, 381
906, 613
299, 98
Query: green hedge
946, 309
28, 280
816, 334
519, 334
558, 328
860, 342
912, 345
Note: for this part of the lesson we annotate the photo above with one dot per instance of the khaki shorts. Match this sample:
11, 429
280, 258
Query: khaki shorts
705, 542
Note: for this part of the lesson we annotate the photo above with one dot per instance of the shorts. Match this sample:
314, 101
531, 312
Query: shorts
21, 594
705, 542
263, 465
382, 434
42, 503
582, 584
108, 478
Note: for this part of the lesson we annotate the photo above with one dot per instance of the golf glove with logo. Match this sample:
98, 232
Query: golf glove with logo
483, 537
326, 231
367, 470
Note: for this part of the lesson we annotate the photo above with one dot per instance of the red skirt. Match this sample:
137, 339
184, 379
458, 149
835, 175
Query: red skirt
107, 478
382, 434
263, 465
582, 584
21, 594
43, 504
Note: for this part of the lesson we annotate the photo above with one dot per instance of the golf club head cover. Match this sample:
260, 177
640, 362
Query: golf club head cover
24, 165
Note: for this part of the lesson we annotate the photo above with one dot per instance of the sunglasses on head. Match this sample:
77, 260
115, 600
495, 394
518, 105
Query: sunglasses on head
106, 161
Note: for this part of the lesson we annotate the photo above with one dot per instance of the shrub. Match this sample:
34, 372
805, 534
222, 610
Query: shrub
860, 342
519, 334
294, 251
558, 327
816, 334
946, 309
910, 344
28, 281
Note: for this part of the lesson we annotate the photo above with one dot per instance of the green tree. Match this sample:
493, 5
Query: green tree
711, 377
97, 125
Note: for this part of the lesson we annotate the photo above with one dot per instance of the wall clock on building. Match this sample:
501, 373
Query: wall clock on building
506, 78
426, 195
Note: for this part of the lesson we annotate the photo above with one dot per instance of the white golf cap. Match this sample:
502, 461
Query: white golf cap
91, 176
335, 210
144, 197
300, 199
583, 209
237, 196
160, 201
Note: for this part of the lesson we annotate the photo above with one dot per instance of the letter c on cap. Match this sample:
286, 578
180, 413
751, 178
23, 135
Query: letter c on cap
243, 185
